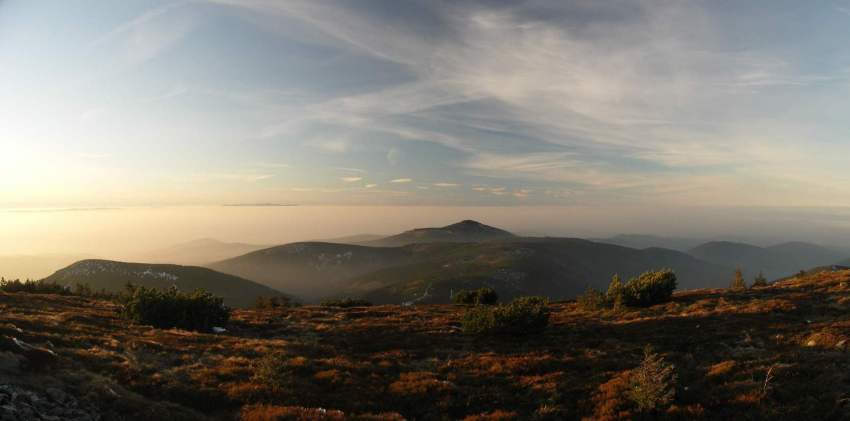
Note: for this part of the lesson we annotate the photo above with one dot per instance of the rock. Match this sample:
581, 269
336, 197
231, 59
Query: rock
10, 361
56, 395
36, 358
19, 404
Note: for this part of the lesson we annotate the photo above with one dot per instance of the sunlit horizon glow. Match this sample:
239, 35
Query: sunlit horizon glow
465, 103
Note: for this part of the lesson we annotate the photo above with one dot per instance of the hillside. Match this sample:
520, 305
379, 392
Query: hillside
200, 252
467, 231
311, 270
778, 352
113, 276
643, 241
552, 267
428, 272
777, 261
358, 239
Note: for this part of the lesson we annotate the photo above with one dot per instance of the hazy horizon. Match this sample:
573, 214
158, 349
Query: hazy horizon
131, 232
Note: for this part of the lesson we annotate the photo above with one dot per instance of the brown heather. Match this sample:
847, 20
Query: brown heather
775, 352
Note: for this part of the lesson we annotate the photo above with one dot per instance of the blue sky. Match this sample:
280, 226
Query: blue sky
632, 103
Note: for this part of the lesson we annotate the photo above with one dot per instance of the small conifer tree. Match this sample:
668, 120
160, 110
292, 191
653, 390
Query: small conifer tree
652, 385
760, 280
615, 292
738, 281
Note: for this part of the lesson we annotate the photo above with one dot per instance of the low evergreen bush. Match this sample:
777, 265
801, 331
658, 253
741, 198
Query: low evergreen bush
346, 302
480, 296
32, 287
165, 309
525, 315
650, 288
591, 300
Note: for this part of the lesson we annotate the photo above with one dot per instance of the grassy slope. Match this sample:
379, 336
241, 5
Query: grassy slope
416, 362
113, 276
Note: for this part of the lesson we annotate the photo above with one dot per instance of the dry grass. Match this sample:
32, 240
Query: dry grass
778, 352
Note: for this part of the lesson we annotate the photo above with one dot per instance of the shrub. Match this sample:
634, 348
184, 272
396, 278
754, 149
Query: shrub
198, 310
32, 287
273, 302
738, 282
480, 296
280, 371
760, 280
346, 302
532, 300
652, 385
650, 288
524, 315
591, 299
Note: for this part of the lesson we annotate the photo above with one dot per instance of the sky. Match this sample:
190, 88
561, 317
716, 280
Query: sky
430, 103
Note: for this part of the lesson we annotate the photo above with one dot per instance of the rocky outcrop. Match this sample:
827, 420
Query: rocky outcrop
33, 358
20, 404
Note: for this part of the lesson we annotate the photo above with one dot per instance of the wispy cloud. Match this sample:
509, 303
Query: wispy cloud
401, 180
237, 177
446, 184
146, 36
349, 169
351, 179
337, 146
617, 103
272, 165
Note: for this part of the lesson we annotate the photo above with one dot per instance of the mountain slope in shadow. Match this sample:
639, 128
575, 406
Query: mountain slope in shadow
112, 276
429, 271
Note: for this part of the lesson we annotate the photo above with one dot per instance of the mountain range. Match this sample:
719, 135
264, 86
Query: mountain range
426, 265
774, 262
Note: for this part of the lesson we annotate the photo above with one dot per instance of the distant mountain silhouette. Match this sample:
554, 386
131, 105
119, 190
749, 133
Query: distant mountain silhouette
775, 261
467, 231
113, 276
426, 271
642, 241
350, 239
200, 252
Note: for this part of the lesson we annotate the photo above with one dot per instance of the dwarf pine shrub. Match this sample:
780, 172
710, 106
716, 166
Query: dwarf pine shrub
274, 302
165, 309
652, 385
650, 288
32, 287
480, 296
346, 302
525, 315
